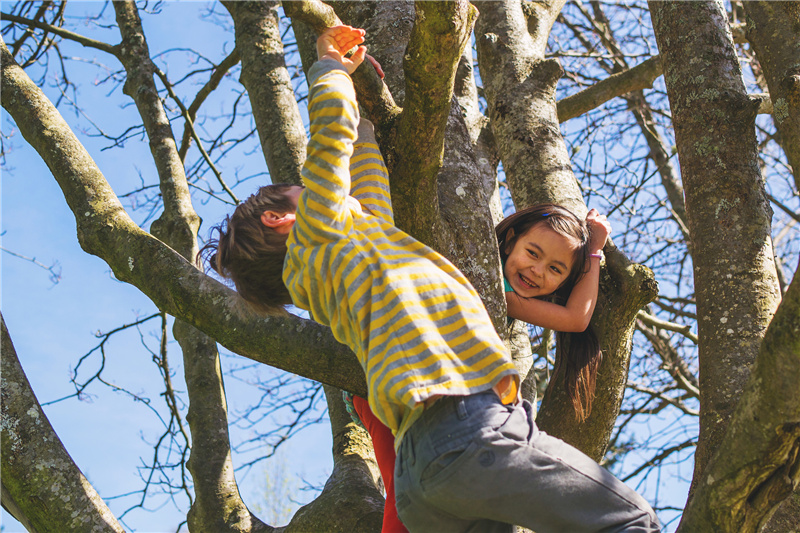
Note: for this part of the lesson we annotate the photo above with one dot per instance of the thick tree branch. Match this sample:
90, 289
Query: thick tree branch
350, 502
440, 32
47, 490
318, 15
218, 505
179, 219
269, 87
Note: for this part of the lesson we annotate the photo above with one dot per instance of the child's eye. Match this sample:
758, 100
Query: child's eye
556, 270
533, 253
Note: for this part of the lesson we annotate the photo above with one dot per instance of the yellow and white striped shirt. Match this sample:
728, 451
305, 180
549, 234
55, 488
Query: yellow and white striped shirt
413, 319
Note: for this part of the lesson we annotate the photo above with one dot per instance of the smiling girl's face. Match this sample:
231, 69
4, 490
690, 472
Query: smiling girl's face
539, 261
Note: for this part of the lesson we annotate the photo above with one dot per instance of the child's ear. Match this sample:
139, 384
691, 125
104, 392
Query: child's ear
280, 222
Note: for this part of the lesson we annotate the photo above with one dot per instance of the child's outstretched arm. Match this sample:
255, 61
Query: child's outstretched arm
577, 313
322, 214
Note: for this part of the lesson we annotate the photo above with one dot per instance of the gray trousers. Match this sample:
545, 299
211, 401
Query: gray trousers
473, 464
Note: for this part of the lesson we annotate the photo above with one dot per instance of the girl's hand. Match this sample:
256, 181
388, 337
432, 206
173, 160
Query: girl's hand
376, 65
599, 229
335, 42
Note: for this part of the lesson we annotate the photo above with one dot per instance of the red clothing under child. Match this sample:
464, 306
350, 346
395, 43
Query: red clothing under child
383, 442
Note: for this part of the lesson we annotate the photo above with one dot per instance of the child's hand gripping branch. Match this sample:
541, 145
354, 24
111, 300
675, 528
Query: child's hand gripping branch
599, 229
335, 42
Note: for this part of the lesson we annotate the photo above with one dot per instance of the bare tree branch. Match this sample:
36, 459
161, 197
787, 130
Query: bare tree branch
637, 78
61, 32
54, 499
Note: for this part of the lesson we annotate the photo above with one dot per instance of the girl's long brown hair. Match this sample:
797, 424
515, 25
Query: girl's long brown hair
578, 355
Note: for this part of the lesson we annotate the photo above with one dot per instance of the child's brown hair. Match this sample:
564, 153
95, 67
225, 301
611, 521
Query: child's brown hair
250, 254
578, 354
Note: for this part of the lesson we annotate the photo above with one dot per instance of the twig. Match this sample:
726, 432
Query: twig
650, 320
190, 125
61, 32
54, 269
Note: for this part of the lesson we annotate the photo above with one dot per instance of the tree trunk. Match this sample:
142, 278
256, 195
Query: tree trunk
269, 87
350, 502
757, 464
727, 209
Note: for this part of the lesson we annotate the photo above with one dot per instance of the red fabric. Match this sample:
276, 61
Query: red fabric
383, 442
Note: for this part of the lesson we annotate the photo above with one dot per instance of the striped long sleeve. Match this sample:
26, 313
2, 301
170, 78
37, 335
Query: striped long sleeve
413, 320
369, 175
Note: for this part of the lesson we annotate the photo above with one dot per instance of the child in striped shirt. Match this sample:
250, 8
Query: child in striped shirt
437, 373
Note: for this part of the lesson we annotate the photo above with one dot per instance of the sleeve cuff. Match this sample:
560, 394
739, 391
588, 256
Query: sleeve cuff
323, 66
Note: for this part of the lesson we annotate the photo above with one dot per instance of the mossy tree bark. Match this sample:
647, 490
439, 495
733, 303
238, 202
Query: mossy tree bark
727, 211
756, 467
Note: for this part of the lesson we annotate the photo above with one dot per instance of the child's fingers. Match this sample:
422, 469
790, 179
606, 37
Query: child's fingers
335, 42
375, 64
347, 37
358, 57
